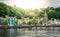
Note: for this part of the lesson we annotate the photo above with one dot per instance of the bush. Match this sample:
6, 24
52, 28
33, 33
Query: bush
29, 22
41, 22
16, 21
5, 22
23, 22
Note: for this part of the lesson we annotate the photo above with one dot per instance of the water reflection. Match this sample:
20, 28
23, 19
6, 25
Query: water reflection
3, 32
33, 32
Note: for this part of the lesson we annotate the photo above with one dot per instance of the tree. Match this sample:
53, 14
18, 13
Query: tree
29, 22
51, 14
5, 22
41, 22
23, 23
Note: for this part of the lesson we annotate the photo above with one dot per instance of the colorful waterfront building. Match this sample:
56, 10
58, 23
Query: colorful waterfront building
11, 21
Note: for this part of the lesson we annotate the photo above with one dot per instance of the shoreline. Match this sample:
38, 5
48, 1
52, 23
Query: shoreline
26, 26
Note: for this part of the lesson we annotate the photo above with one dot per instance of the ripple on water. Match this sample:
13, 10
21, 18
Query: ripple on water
55, 32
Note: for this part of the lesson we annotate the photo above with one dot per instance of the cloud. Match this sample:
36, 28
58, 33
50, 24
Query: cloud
36, 3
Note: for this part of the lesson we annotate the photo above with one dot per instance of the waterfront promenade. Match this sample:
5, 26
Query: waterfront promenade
26, 26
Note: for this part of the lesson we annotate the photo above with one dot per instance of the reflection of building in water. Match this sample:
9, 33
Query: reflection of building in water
45, 18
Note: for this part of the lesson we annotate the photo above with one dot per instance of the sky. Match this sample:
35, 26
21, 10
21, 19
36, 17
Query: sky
32, 4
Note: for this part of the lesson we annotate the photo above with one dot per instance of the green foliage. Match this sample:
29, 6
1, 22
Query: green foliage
5, 22
35, 22
19, 12
41, 22
23, 22
51, 14
30, 17
52, 19
16, 21
29, 22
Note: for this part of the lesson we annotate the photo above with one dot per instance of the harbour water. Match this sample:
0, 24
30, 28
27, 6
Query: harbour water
31, 32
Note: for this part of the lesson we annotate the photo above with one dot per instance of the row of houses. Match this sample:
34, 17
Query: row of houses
55, 21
